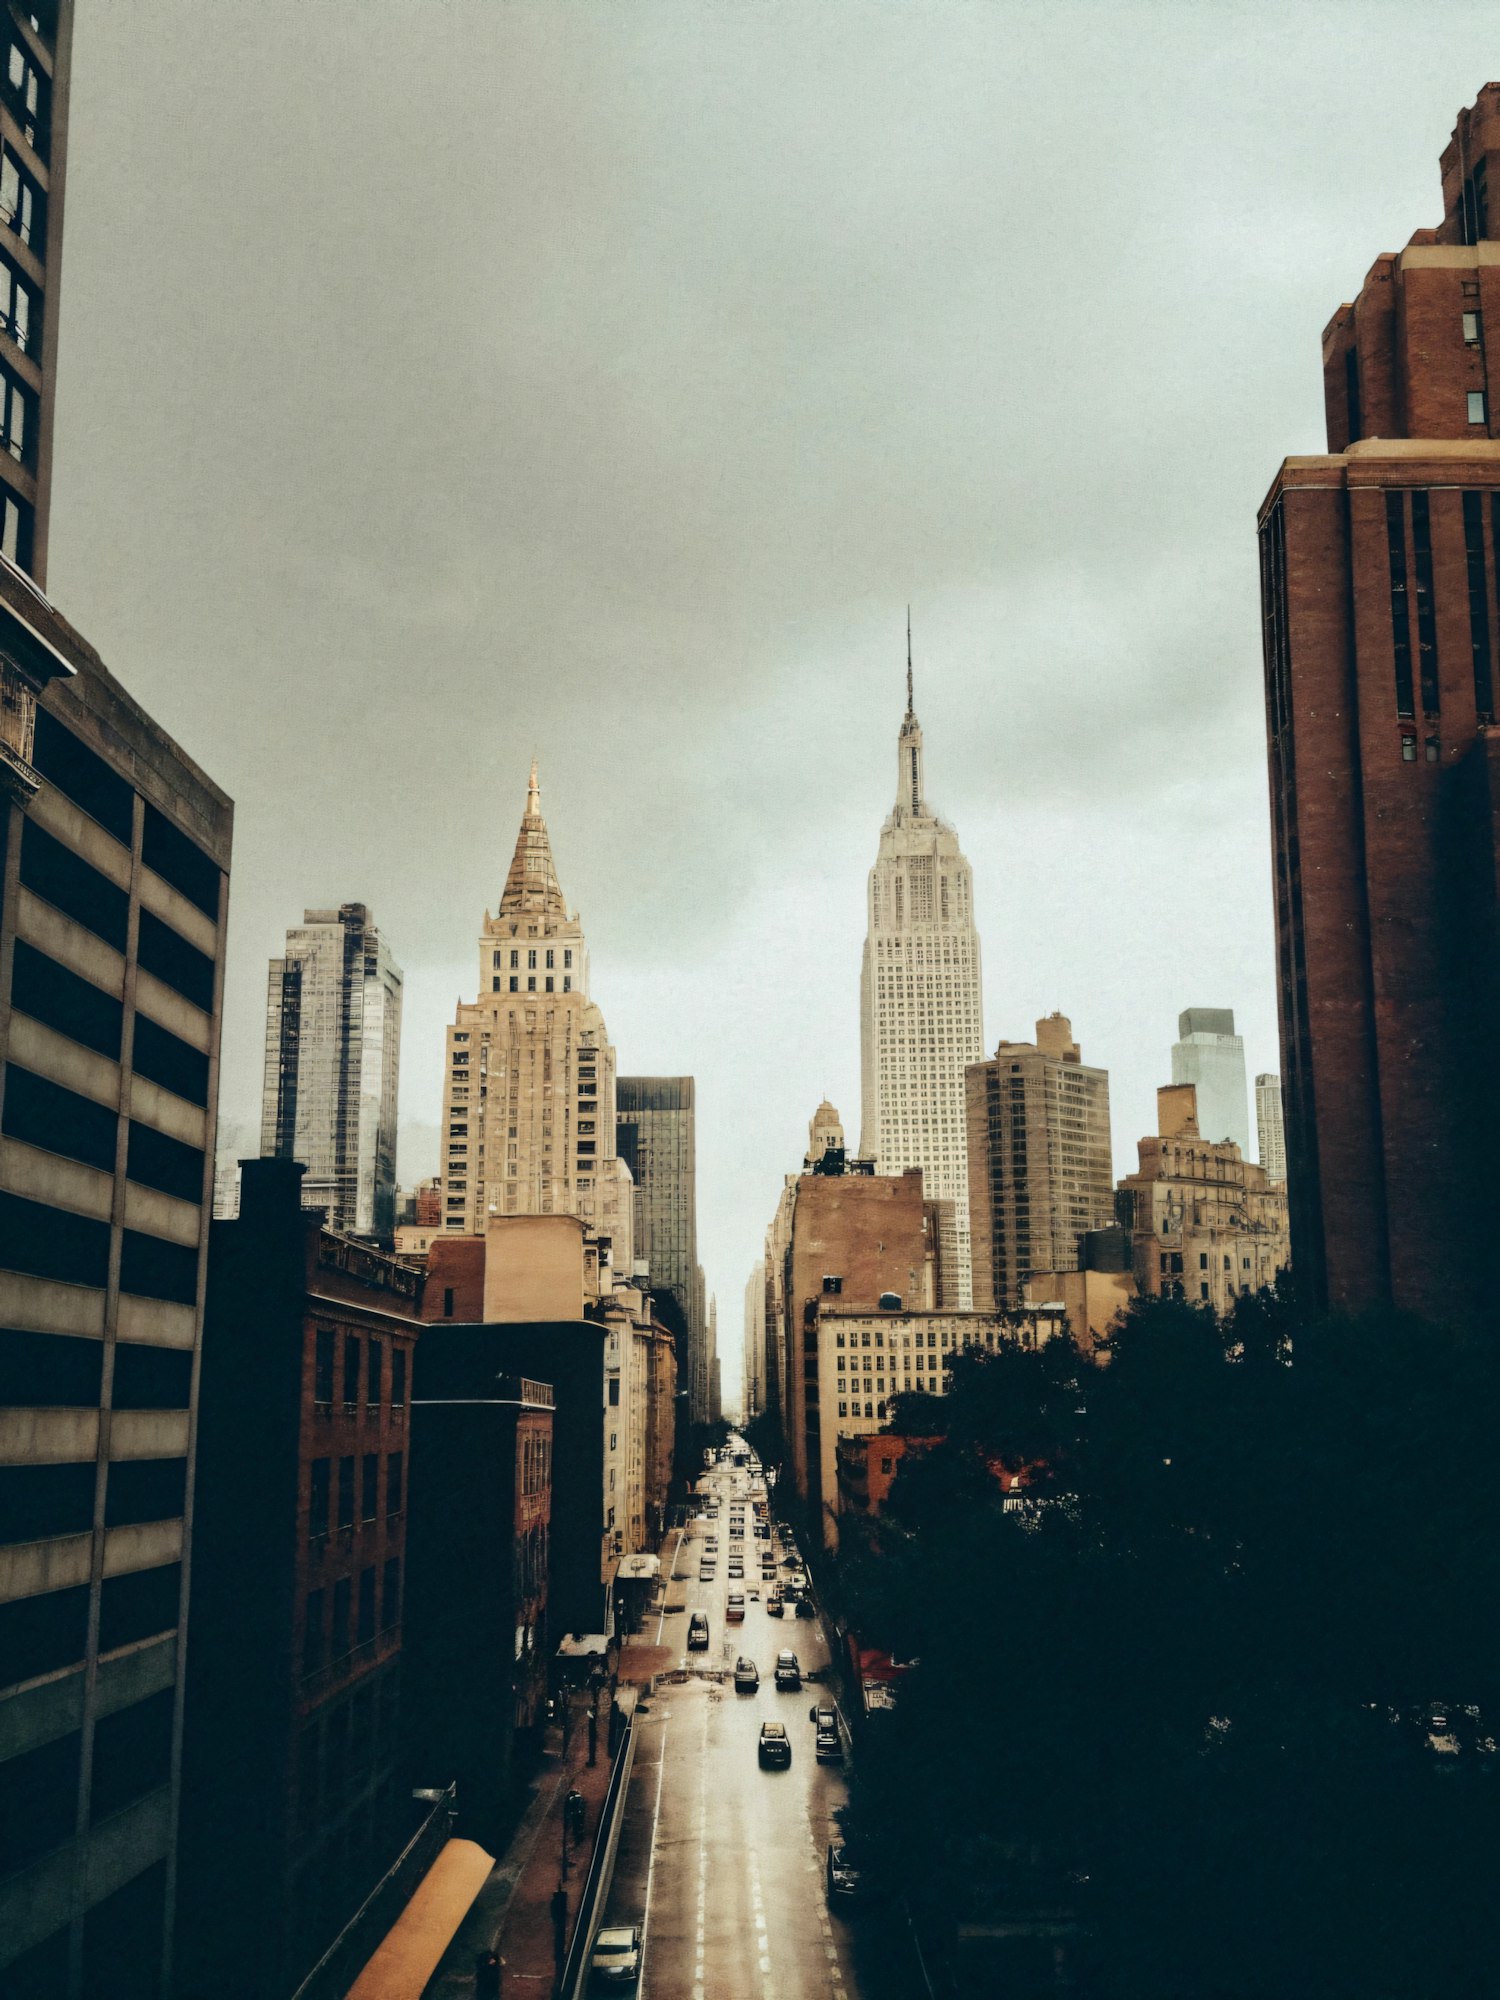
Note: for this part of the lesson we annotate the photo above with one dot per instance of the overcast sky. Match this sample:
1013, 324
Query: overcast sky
448, 382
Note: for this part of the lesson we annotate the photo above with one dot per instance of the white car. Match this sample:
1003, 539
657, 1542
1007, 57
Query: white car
617, 1956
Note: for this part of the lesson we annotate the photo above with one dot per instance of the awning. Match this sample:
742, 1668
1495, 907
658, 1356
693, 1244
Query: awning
409, 1954
638, 1569
582, 1646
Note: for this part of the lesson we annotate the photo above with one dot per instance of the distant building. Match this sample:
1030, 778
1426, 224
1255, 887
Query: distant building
1211, 1056
114, 858
1206, 1225
226, 1190
333, 1060
753, 1400
529, 1101
1270, 1132
920, 1002
656, 1134
1040, 1170
476, 1655
1382, 663
293, 1807
1095, 1294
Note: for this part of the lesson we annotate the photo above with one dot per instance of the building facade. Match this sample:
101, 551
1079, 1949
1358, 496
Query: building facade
332, 1071
114, 852
1206, 1224
34, 90
656, 1136
753, 1393
1209, 1055
529, 1104
1040, 1169
921, 1018
1269, 1130
293, 1807
475, 1664
1381, 642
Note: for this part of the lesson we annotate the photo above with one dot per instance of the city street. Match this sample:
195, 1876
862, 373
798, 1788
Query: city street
723, 1863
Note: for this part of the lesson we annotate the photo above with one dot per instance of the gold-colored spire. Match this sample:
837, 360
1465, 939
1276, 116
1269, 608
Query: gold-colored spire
532, 885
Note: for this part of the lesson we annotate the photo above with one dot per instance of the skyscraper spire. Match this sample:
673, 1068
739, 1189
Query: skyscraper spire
532, 883
910, 709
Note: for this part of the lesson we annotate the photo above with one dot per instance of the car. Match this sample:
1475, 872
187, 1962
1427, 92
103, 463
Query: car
844, 1881
788, 1669
775, 1747
698, 1632
746, 1676
774, 1605
735, 1609
616, 1959
826, 1745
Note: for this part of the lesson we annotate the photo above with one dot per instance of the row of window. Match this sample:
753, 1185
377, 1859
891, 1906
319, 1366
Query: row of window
321, 1491
61, 999
328, 1638
54, 1243
531, 961
549, 984
38, 1502
132, 1755
57, 1120
47, 1633
361, 1357
63, 1371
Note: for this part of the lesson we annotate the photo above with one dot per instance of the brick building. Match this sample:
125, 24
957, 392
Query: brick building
1382, 649
475, 1663
292, 1803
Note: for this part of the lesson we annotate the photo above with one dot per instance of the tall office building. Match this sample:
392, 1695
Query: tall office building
1041, 1175
656, 1137
921, 1020
529, 1100
33, 163
333, 1059
114, 851
1269, 1131
1211, 1056
1378, 594
753, 1393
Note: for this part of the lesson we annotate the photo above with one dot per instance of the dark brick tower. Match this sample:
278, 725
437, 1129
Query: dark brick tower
1382, 653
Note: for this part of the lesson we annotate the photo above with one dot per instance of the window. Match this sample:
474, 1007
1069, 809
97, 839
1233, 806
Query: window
551, 961
166, 1059
44, 1114
515, 984
20, 200
15, 427
346, 1492
1476, 406
398, 1378
531, 986
1395, 528
1421, 534
370, 1485
531, 961
145, 1489
66, 881
1432, 749
152, 1268
16, 307
317, 1511
138, 1605
1408, 746
390, 1593
375, 1373
168, 956
60, 1371
367, 1605
351, 1371
323, 1365
832, 1286
314, 1639
53, 1242
156, 1160
1471, 329
84, 777
1479, 609
15, 533
1202, 1260
394, 1471
342, 1594
447, 1302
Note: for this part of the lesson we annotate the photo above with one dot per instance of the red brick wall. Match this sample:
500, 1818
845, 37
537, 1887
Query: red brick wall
455, 1278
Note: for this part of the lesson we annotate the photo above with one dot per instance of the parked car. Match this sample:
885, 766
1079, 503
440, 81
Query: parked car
775, 1747
788, 1669
844, 1882
698, 1632
774, 1605
616, 1959
746, 1676
826, 1745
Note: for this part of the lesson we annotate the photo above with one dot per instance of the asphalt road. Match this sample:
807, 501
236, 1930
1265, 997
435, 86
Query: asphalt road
721, 1862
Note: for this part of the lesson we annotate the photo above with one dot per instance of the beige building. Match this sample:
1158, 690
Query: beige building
1040, 1171
529, 1109
865, 1358
1208, 1225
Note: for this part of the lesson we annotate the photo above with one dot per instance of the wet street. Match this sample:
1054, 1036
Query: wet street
723, 1863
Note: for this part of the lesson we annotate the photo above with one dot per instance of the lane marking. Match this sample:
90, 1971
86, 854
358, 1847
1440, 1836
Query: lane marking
661, 1772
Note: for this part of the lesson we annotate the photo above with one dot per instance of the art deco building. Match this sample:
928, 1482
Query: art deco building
114, 851
333, 1058
920, 1013
1211, 1056
529, 1108
1206, 1224
1040, 1172
1270, 1133
1382, 648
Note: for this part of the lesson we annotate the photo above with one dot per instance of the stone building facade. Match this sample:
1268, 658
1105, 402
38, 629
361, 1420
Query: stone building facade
1382, 651
921, 1013
1206, 1224
1040, 1169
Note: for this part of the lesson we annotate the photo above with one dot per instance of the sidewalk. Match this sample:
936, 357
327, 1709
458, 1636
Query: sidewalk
512, 1913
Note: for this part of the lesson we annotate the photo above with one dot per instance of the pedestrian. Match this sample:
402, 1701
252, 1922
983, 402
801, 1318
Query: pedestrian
593, 1737
487, 1976
575, 1812
560, 1924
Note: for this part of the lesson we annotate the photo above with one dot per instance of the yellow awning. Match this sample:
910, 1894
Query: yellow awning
409, 1954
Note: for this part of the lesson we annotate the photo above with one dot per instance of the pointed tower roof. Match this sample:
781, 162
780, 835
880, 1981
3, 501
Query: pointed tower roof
532, 883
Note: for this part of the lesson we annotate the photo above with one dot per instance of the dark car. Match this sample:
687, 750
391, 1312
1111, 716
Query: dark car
826, 1747
775, 1747
844, 1884
698, 1632
746, 1676
788, 1669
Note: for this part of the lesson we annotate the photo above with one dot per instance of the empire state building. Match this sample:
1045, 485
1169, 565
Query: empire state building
920, 1010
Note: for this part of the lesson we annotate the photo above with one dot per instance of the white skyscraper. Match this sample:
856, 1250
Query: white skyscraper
1269, 1129
1212, 1056
920, 1014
